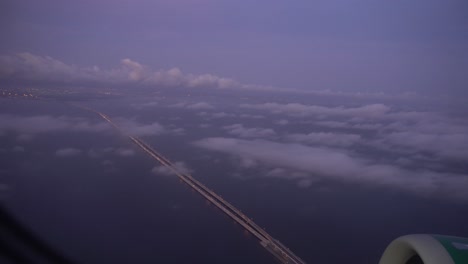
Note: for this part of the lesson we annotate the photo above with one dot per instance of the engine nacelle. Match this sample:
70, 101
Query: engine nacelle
426, 249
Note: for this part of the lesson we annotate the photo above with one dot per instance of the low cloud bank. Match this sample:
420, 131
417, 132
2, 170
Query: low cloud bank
366, 111
340, 165
195, 106
252, 132
326, 138
134, 128
440, 135
165, 171
28, 67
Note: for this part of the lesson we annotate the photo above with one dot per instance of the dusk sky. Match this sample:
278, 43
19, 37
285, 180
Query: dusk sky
346, 45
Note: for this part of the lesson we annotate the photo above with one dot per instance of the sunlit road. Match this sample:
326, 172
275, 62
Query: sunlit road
281, 252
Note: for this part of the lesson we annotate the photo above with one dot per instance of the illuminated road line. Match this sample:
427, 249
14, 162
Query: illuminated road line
278, 245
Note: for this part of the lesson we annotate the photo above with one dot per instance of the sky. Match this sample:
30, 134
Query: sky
352, 46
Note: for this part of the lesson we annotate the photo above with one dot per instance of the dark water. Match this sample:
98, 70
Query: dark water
119, 212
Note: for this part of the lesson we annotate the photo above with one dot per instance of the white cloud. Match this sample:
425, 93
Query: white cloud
204, 125
44, 69
222, 115
200, 105
451, 146
436, 134
428, 133
134, 128
136, 71
196, 106
34, 67
67, 152
350, 125
208, 115
282, 122
149, 104
296, 109
326, 138
125, 152
178, 131
209, 80
341, 166
101, 152
180, 167
251, 116
241, 131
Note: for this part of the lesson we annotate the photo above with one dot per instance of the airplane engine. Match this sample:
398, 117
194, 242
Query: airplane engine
426, 249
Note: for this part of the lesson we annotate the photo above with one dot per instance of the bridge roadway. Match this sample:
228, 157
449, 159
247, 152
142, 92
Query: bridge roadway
275, 244
277, 249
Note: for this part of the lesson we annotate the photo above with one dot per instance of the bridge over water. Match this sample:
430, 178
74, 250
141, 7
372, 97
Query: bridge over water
276, 248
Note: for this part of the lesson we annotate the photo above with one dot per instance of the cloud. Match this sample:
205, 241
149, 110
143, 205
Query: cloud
179, 165
134, 128
27, 67
251, 116
426, 133
178, 131
449, 145
208, 115
149, 104
340, 165
241, 131
350, 125
67, 152
303, 179
100, 152
326, 138
431, 134
296, 109
282, 122
204, 125
196, 106
32, 67
200, 105
125, 152
209, 80
135, 70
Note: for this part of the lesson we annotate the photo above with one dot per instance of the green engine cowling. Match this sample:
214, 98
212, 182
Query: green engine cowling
427, 249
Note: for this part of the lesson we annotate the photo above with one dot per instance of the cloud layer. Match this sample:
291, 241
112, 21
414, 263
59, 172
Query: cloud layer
440, 135
297, 109
339, 165
252, 132
27, 67
326, 138
180, 166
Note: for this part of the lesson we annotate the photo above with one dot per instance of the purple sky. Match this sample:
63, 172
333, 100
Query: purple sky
344, 45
